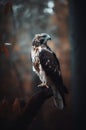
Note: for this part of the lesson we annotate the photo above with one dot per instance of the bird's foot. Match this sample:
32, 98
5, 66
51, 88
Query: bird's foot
46, 85
42, 84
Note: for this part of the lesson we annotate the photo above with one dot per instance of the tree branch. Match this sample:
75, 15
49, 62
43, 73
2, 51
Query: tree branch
32, 108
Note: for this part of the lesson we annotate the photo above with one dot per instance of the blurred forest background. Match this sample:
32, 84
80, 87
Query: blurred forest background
20, 20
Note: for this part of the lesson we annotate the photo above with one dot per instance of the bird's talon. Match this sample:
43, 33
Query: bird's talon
47, 86
40, 85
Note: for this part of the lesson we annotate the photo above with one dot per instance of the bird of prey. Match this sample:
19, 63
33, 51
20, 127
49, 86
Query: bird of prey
46, 66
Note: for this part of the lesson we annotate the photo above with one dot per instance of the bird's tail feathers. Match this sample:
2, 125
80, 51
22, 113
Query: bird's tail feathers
58, 101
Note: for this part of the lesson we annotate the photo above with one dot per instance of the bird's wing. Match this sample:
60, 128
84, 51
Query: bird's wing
50, 63
51, 66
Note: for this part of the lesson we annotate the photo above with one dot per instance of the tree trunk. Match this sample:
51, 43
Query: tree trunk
78, 41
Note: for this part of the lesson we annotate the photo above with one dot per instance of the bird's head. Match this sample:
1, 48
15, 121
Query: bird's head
40, 39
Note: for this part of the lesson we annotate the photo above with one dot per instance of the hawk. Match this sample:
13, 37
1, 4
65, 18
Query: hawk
46, 66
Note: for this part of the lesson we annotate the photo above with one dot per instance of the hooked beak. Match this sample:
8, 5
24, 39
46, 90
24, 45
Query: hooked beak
49, 38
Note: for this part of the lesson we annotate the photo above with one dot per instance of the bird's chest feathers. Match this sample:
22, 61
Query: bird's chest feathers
35, 58
36, 63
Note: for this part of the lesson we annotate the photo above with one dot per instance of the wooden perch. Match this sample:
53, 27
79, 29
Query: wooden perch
33, 106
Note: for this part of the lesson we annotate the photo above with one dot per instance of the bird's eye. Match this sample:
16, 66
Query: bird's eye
41, 41
44, 36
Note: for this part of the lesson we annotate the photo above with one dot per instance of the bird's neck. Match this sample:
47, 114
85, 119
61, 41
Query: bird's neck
48, 47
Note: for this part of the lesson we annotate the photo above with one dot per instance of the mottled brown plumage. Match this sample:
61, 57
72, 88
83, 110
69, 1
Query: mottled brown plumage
47, 67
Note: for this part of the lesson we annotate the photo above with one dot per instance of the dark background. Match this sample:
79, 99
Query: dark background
65, 22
